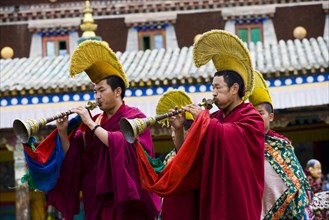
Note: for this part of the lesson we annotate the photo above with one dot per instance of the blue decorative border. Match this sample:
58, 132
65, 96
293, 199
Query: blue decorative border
150, 91
297, 80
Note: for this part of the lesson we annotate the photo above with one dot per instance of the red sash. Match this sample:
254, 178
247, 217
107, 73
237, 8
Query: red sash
184, 171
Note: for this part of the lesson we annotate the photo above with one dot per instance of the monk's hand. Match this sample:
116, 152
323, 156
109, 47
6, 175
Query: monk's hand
177, 121
62, 123
193, 109
85, 115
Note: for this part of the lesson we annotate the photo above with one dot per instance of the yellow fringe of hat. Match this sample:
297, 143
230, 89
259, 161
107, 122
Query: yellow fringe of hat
227, 52
260, 93
170, 100
98, 60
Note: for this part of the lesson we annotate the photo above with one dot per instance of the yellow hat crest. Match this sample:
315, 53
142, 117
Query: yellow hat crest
227, 52
260, 93
170, 100
97, 60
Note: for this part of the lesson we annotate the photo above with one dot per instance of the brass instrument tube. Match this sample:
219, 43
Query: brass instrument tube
207, 103
25, 129
131, 128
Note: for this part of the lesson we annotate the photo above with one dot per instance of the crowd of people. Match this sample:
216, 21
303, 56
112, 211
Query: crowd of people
225, 165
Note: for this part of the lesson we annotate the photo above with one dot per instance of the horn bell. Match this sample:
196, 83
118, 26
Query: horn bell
132, 128
22, 130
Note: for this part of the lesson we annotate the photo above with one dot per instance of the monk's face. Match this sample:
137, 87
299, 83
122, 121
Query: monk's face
316, 170
107, 99
267, 117
223, 95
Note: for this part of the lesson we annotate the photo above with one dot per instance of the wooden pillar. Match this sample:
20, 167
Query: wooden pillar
22, 190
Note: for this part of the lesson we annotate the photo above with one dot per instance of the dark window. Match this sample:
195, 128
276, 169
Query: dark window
62, 49
146, 44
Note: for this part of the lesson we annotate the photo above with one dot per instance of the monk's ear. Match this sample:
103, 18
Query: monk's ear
271, 116
118, 91
235, 88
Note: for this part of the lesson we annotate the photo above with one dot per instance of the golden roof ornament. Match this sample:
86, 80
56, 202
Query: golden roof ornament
88, 27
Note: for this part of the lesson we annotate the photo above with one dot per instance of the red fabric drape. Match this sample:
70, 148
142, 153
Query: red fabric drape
172, 178
45, 148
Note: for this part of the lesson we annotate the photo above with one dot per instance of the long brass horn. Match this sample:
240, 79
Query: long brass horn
132, 128
24, 129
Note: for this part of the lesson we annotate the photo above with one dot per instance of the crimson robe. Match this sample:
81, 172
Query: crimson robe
181, 206
107, 175
233, 166
224, 158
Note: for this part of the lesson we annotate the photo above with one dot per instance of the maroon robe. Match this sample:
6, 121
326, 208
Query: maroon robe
232, 178
181, 206
107, 175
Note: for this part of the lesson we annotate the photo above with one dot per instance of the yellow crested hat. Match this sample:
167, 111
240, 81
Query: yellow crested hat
227, 52
170, 100
98, 60
260, 93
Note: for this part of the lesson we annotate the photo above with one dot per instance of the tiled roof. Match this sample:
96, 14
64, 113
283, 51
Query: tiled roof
161, 67
287, 93
120, 7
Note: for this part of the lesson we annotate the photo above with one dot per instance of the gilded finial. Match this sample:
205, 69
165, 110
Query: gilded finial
88, 27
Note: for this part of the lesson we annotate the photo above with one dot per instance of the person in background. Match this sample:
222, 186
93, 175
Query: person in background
325, 186
286, 187
95, 158
313, 172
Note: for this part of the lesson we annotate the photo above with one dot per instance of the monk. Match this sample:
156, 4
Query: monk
183, 205
98, 161
232, 174
286, 187
223, 153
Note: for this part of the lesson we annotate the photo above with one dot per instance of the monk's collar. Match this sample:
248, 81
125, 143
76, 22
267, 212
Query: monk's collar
119, 110
234, 109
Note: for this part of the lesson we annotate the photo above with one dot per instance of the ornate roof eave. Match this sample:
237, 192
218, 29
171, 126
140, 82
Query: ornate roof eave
295, 72
133, 20
176, 81
248, 12
101, 8
65, 24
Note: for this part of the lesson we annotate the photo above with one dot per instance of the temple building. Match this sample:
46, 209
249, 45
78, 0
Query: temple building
288, 42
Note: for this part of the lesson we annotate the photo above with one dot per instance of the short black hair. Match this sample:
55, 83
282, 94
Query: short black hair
115, 82
231, 77
188, 124
268, 107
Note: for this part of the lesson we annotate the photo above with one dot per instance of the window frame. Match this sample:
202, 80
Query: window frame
151, 34
56, 40
250, 26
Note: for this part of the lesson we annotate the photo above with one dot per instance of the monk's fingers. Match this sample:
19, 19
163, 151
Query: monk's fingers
172, 118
